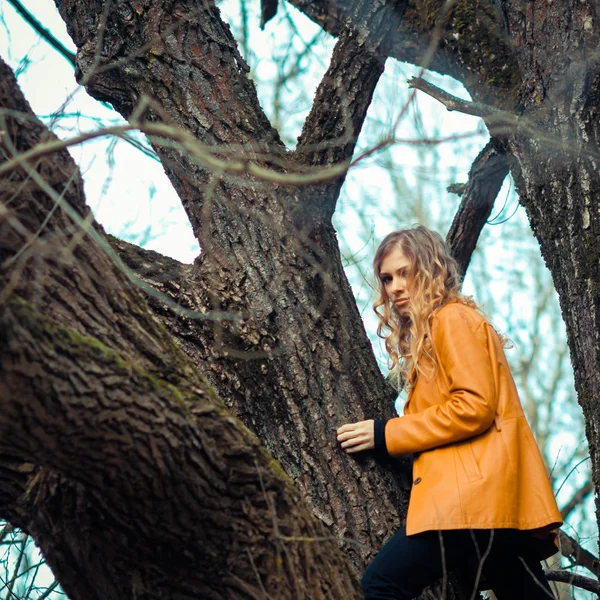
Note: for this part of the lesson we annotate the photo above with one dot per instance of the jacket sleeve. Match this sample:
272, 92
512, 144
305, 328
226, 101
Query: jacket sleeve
470, 407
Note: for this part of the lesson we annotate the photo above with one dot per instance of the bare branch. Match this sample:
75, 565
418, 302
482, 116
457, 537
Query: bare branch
585, 583
51, 39
577, 498
485, 180
571, 549
452, 103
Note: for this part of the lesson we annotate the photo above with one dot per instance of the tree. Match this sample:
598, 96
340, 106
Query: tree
113, 430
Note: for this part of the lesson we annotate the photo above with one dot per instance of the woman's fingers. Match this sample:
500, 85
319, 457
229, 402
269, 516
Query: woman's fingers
349, 432
353, 441
356, 437
357, 448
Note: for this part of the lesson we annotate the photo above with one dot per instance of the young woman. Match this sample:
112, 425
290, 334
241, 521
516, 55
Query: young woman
480, 494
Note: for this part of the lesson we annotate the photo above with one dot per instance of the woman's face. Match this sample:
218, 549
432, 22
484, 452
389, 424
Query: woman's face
395, 276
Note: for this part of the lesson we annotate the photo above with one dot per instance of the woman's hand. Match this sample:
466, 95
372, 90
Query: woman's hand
356, 437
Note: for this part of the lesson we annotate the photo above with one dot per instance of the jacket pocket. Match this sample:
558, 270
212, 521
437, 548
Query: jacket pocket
468, 460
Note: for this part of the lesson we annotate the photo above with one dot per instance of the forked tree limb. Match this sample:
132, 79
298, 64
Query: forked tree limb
572, 549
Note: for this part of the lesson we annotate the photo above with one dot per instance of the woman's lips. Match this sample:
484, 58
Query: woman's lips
401, 301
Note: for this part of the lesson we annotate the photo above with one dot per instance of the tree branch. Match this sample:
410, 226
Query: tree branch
585, 583
499, 122
571, 549
453, 103
204, 156
577, 498
98, 377
473, 51
42, 31
338, 112
331, 129
485, 180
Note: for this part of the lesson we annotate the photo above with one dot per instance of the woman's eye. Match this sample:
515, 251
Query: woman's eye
385, 280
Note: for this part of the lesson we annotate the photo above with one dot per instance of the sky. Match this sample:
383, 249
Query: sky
128, 191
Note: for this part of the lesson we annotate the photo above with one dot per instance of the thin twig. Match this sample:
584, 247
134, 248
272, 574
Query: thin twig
48, 591
453, 103
570, 548
11, 582
44, 33
200, 153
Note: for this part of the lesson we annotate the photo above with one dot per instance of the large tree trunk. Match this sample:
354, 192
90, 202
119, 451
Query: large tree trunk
117, 456
293, 361
556, 159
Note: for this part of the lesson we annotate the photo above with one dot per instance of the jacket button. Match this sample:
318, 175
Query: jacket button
417, 480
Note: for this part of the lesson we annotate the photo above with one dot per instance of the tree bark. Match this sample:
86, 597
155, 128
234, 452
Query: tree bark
144, 484
294, 363
485, 180
555, 167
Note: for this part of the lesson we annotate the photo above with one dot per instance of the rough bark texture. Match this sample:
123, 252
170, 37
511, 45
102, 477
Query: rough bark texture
155, 491
295, 362
555, 167
145, 485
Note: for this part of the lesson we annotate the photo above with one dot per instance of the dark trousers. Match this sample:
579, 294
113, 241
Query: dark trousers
504, 557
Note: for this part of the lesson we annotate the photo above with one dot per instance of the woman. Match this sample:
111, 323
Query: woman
480, 494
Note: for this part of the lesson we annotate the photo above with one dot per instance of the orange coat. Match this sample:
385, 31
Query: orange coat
477, 464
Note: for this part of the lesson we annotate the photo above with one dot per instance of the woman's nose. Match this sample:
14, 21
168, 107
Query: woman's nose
399, 284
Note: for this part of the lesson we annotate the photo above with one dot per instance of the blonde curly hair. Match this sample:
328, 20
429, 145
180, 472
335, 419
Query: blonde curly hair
434, 281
